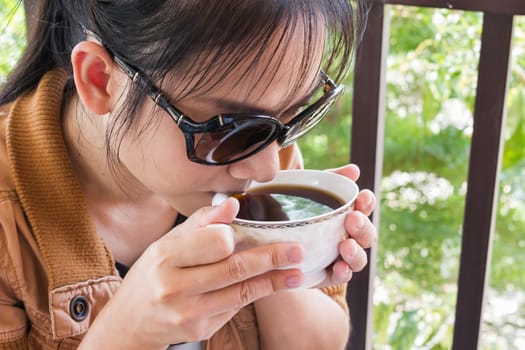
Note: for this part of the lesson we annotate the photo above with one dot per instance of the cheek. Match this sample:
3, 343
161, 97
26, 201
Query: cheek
155, 151
187, 186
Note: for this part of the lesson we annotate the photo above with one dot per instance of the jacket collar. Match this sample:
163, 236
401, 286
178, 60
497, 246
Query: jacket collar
49, 190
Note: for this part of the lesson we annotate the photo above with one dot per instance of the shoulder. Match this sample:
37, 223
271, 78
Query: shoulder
12, 219
13, 269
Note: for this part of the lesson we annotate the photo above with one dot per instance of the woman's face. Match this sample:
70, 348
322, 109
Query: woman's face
157, 158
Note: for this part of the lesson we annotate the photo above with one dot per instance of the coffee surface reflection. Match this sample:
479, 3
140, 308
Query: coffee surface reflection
285, 202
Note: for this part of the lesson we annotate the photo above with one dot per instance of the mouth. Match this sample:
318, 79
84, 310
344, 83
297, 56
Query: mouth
222, 194
235, 190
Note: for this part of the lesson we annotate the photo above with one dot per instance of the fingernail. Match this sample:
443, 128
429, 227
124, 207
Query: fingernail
353, 249
360, 222
369, 201
295, 254
294, 281
348, 274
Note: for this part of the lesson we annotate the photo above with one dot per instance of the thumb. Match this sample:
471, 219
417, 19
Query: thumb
351, 171
208, 224
223, 213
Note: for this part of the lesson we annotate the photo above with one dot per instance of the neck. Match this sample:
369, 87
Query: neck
85, 136
127, 215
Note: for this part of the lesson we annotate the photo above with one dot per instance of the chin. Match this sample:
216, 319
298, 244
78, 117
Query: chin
191, 203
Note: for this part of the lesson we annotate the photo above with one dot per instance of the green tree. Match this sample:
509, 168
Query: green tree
12, 35
431, 79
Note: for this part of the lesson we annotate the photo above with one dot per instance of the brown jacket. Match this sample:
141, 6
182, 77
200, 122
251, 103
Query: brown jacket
52, 261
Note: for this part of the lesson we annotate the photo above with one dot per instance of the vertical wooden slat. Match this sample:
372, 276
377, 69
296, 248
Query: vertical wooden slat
367, 152
482, 178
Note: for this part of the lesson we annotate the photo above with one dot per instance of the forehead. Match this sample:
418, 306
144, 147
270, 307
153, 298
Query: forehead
285, 66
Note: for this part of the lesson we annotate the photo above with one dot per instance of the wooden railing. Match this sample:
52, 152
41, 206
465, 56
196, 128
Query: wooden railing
484, 164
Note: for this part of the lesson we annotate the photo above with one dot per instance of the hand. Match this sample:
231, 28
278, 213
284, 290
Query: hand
362, 234
190, 282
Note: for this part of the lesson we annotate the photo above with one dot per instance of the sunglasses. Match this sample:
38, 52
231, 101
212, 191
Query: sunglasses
229, 138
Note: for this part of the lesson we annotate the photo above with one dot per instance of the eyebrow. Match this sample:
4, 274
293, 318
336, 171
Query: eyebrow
233, 106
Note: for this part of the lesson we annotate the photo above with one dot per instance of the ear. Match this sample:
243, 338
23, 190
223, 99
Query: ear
92, 68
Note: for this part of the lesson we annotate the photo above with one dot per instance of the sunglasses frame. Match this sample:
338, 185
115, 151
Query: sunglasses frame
189, 127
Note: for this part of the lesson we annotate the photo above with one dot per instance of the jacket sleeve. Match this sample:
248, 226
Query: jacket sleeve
13, 320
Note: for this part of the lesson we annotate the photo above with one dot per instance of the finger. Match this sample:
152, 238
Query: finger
203, 238
360, 228
247, 264
350, 170
223, 213
243, 293
340, 273
353, 254
204, 245
365, 202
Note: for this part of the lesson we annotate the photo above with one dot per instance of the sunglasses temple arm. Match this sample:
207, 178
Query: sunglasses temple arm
158, 97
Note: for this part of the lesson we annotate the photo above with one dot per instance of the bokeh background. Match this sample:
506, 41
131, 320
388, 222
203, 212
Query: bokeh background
431, 79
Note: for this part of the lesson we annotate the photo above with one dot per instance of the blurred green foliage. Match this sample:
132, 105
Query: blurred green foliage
431, 80
12, 36
431, 85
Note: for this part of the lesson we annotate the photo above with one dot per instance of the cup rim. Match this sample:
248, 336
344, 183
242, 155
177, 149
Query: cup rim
293, 223
299, 222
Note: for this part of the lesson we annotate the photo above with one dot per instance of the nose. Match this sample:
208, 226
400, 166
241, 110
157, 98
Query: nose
261, 167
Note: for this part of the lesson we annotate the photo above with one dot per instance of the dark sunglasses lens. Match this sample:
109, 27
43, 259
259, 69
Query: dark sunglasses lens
234, 141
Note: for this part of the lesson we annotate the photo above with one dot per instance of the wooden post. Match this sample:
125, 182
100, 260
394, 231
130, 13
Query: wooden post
367, 152
484, 167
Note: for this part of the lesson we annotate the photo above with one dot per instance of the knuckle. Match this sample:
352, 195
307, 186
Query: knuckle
156, 249
247, 292
256, 288
222, 239
192, 323
237, 267
159, 255
196, 331
162, 294
274, 257
273, 285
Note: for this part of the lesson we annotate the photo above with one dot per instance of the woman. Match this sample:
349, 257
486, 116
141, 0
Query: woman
109, 142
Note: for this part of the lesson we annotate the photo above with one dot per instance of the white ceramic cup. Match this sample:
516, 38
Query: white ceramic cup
319, 235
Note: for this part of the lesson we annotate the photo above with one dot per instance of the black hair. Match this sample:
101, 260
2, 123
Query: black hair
162, 36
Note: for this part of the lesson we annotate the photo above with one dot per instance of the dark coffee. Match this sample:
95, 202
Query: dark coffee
285, 202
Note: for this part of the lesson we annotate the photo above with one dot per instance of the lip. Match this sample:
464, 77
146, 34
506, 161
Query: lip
232, 191
228, 193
